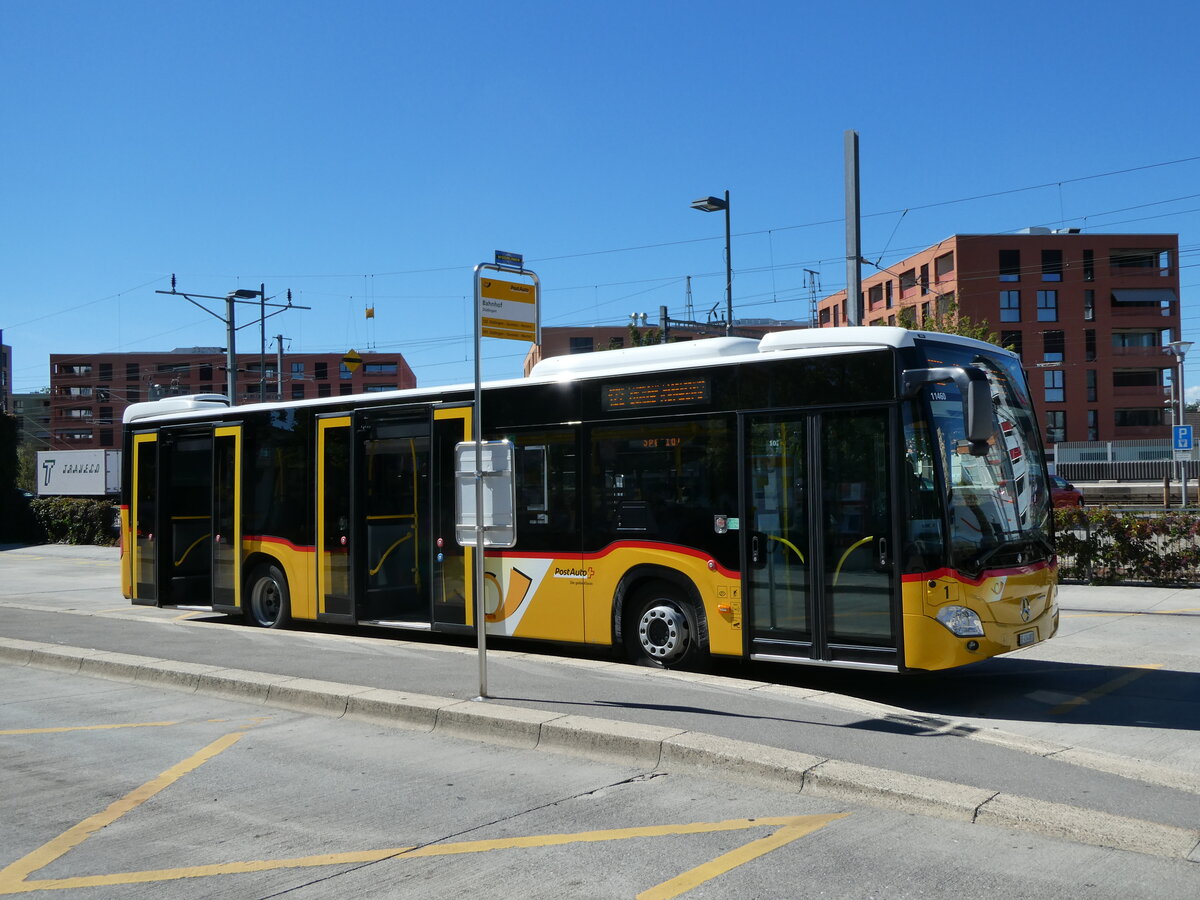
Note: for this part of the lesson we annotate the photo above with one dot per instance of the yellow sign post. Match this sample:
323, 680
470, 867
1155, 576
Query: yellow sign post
352, 360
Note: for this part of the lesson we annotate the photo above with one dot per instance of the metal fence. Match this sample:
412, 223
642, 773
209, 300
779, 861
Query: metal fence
1145, 460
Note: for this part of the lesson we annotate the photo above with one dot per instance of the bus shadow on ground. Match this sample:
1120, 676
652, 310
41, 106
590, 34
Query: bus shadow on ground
1029, 690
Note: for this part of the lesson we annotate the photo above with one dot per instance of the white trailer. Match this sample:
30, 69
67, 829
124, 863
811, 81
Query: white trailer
78, 473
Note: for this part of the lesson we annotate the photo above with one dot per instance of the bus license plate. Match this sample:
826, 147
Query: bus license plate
1025, 638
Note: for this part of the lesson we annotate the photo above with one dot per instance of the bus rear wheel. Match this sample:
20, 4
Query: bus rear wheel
270, 603
661, 630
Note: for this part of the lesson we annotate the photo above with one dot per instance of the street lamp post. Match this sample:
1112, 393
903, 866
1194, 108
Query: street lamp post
1180, 349
713, 204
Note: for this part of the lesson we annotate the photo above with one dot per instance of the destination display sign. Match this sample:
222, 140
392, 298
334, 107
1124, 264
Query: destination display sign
508, 309
678, 392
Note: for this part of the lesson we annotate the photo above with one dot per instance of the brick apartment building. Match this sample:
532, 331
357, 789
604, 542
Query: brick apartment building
1091, 315
89, 392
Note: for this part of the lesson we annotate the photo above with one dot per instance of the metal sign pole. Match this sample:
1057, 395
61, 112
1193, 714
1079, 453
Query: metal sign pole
518, 304
477, 438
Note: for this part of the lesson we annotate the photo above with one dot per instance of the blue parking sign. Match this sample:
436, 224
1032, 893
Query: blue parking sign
1183, 437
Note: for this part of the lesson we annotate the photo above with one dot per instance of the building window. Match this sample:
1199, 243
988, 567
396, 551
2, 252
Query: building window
1089, 305
74, 369
1054, 385
1053, 346
1010, 306
132, 371
106, 371
1093, 420
1089, 344
297, 370
825, 316
1011, 340
206, 389
297, 392
943, 266
888, 298
344, 372
379, 388
321, 372
925, 279
1052, 265
381, 368
1010, 265
106, 437
345, 390
875, 295
205, 371
1047, 306
106, 415
1138, 418
908, 281
323, 390
133, 395
1091, 385
925, 313
584, 344
1089, 265
1056, 426
1137, 378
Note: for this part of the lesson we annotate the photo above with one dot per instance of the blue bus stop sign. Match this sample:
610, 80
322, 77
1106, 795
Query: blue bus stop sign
1182, 437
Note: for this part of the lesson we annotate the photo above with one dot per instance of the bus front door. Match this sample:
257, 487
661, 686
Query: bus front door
818, 538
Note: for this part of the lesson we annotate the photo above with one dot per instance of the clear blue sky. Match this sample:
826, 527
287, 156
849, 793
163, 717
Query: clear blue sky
369, 153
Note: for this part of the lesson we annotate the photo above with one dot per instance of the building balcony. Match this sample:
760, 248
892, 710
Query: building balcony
1138, 432
1155, 356
1129, 311
1142, 394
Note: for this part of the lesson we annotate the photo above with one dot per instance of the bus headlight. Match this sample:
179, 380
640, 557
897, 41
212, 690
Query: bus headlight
961, 621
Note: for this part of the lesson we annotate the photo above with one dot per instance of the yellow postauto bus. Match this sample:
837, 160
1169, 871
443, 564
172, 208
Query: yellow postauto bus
870, 498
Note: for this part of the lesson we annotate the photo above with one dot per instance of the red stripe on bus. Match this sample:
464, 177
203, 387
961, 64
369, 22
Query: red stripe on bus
621, 545
988, 573
267, 539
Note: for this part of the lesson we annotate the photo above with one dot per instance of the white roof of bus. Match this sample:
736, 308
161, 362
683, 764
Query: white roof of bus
654, 358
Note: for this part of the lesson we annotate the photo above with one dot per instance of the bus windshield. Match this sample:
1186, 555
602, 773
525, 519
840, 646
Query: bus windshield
997, 503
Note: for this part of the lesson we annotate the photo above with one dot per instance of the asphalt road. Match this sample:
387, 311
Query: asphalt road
127, 791
1103, 718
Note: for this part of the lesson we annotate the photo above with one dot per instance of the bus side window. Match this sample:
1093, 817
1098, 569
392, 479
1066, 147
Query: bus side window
547, 492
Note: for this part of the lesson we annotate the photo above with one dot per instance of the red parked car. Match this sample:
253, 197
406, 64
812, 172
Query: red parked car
1063, 493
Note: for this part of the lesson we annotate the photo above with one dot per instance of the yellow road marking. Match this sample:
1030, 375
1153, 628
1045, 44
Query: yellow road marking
12, 876
681, 884
1107, 688
65, 728
790, 828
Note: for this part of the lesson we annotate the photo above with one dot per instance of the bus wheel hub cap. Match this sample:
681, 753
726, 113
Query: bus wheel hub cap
663, 632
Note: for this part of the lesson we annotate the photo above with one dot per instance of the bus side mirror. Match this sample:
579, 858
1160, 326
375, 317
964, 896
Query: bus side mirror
976, 398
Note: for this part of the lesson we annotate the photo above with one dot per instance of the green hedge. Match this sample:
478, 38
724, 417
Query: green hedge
69, 520
1101, 546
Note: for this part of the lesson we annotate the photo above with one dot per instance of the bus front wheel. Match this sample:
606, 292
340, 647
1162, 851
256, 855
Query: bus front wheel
270, 604
662, 630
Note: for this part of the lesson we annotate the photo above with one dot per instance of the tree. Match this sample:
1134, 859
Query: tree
948, 320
